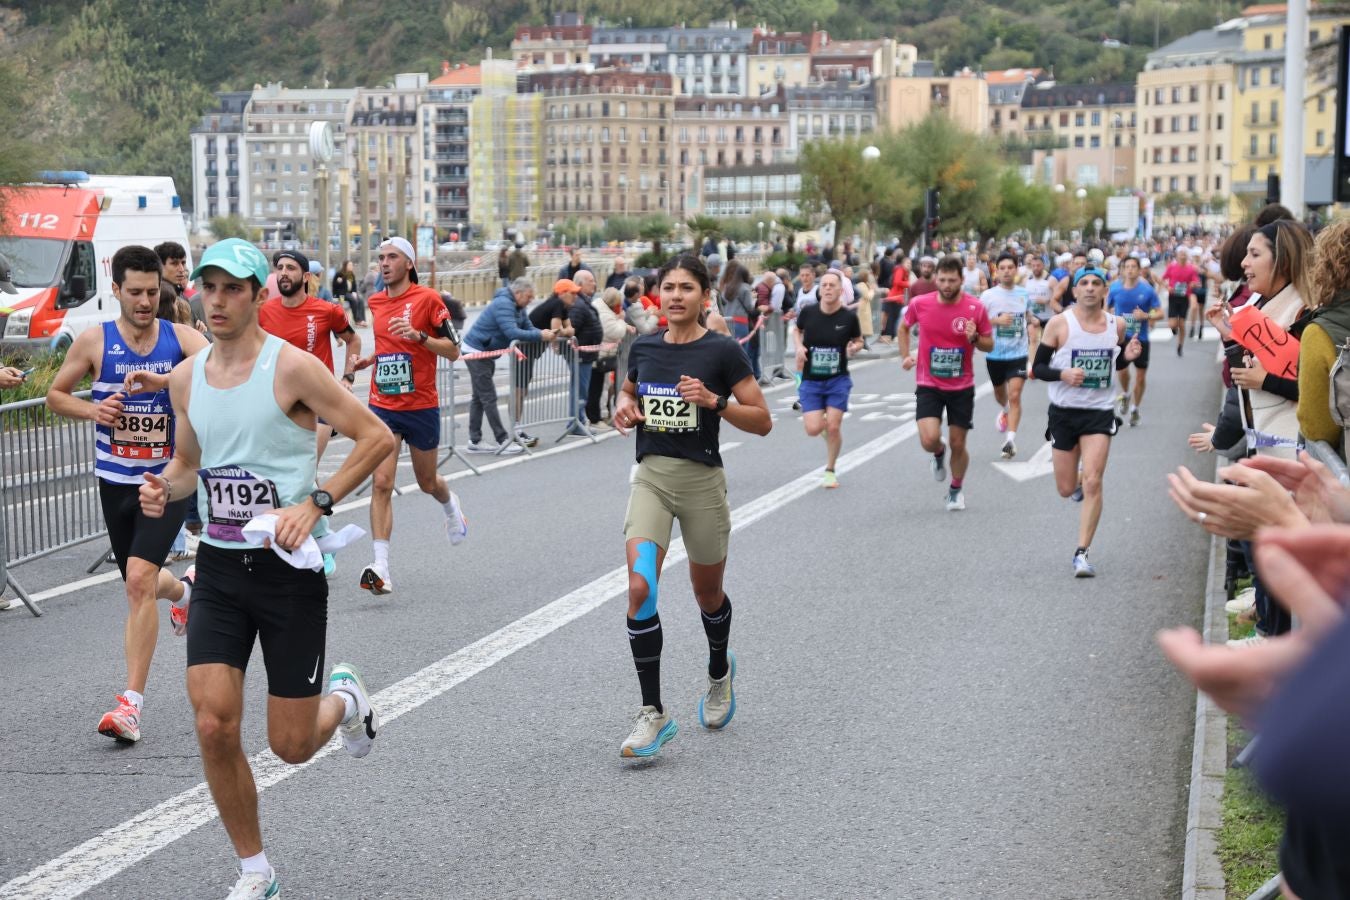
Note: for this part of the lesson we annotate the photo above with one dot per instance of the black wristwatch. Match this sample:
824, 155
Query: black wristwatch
323, 500
349, 377
721, 404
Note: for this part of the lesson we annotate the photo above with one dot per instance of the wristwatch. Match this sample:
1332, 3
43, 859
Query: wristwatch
349, 377
422, 337
323, 500
721, 404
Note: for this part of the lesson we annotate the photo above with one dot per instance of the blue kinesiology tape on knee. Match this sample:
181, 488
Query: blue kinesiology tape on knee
645, 565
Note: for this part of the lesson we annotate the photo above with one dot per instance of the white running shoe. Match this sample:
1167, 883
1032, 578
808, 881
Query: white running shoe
509, 448
939, 466
358, 733
1245, 601
956, 500
478, 447
1122, 404
1009, 449
652, 728
1082, 568
256, 886
375, 578
456, 524
716, 707
1251, 640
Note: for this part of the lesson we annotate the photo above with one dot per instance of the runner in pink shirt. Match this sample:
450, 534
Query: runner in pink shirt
952, 324
1182, 280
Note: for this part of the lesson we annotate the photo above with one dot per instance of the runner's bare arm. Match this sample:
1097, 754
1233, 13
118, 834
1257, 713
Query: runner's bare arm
353, 342
179, 477
81, 360
627, 412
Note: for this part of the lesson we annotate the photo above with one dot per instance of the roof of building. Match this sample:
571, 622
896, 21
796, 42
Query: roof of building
850, 48
1049, 95
457, 75
1199, 48
1013, 76
553, 32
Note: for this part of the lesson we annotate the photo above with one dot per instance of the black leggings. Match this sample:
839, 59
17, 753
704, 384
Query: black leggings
130, 531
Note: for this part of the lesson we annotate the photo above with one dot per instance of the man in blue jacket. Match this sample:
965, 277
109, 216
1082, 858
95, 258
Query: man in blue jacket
502, 322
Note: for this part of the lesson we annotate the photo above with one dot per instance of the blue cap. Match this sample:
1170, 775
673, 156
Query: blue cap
1090, 270
237, 257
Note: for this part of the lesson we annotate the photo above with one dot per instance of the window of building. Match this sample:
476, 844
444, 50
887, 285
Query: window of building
1096, 117
1172, 183
1190, 183
1157, 96
1176, 154
1275, 74
1064, 120
1219, 92
1095, 141
1078, 141
1192, 154
1274, 110
1158, 125
1195, 94
1256, 73
1256, 112
1266, 41
1176, 95
1273, 144
1078, 120
1321, 138
1218, 152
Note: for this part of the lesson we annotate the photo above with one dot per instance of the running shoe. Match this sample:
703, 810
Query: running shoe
601, 427
375, 578
478, 447
527, 439
1077, 495
178, 610
256, 886
797, 405
512, 448
1009, 449
939, 466
329, 565
358, 733
1251, 640
1001, 421
829, 481
1178, 349
956, 501
456, 523
1245, 600
122, 724
1082, 568
1122, 403
716, 708
1134, 417
652, 728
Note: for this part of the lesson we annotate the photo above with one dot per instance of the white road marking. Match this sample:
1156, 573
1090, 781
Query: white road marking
1041, 463
729, 445
118, 848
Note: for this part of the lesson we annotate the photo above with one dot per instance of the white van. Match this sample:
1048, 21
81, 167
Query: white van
59, 238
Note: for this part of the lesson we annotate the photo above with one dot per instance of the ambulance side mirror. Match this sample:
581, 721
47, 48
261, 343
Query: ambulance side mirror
75, 293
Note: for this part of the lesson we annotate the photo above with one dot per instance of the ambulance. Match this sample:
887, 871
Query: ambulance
59, 237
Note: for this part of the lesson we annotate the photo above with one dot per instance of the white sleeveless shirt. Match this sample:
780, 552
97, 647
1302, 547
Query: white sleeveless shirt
1093, 353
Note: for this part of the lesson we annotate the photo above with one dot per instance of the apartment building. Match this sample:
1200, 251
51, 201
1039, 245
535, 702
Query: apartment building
836, 109
506, 155
780, 59
769, 189
552, 48
907, 100
724, 132
386, 135
1091, 128
1005, 99
218, 181
445, 182
606, 143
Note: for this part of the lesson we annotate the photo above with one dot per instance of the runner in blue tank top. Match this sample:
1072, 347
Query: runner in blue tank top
246, 411
134, 426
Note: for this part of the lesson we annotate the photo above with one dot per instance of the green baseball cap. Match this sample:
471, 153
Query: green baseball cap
236, 256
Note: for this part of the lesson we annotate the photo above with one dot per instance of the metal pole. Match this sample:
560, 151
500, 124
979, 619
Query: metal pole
363, 203
401, 189
1295, 83
324, 229
345, 213
382, 185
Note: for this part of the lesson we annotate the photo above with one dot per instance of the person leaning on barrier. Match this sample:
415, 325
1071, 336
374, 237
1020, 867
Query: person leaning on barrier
585, 324
636, 312
619, 275
503, 321
609, 306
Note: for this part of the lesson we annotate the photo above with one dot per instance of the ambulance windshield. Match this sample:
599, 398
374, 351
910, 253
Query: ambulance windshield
34, 262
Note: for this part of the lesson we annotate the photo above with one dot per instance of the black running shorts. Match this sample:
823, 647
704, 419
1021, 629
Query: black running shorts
1139, 362
1067, 425
243, 594
1003, 370
131, 532
929, 403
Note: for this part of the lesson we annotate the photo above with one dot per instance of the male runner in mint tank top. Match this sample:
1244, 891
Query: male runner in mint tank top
246, 414
133, 435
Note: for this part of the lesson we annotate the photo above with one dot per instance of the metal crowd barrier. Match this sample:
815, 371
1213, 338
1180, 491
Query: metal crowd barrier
1327, 456
48, 492
543, 388
446, 378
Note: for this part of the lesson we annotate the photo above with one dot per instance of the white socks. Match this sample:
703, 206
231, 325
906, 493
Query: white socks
348, 704
255, 864
135, 698
382, 552
1012, 436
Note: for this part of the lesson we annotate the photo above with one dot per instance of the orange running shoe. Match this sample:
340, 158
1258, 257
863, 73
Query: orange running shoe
123, 723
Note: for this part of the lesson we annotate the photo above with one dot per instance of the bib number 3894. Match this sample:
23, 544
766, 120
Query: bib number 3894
233, 497
665, 410
142, 430
1096, 366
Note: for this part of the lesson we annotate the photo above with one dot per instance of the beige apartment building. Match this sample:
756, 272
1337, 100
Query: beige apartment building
1088, 130
904, 101
606, 143
725, 133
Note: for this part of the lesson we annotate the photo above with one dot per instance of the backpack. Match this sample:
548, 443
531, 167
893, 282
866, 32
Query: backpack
1335, 321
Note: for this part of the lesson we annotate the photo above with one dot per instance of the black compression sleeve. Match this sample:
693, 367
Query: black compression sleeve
1042, 368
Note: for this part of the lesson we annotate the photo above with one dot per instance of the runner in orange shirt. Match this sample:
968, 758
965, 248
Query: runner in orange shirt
412, 328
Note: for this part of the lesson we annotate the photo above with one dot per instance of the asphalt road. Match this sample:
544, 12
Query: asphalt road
929, 705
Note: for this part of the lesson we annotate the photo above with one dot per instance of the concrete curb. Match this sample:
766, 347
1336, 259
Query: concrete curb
1202, 873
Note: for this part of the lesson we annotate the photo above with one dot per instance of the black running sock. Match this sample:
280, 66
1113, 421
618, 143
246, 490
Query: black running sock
718, 629
644, 639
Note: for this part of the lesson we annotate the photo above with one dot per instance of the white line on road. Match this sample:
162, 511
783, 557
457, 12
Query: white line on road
118, 848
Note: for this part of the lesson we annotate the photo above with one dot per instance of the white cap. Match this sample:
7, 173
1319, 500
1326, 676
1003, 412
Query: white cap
402, 246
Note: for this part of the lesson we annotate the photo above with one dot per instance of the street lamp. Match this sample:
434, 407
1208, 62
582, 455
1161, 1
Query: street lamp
1081, 194
761, 232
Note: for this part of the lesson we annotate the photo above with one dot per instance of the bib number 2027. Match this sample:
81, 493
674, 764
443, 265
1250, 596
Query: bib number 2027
1096, 366
665, 409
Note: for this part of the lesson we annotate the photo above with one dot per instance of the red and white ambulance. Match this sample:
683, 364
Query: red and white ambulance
59, 238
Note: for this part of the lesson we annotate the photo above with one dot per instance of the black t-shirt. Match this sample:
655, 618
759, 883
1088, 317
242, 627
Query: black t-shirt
674, 427
826, 339
586, 322
542, 316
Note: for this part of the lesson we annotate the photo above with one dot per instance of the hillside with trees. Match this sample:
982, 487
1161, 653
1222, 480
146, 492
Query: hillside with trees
114, 85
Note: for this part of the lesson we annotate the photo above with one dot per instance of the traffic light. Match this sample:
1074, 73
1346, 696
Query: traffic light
931, 216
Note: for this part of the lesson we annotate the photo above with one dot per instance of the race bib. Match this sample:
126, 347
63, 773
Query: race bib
233, 497
1040, 310
1015, 330
665, 410
142, 430
824, 361
946, 362
1133, 328
394, 373
1096, 366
